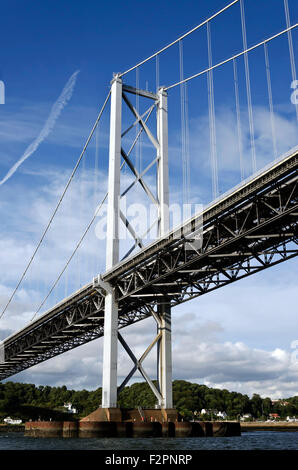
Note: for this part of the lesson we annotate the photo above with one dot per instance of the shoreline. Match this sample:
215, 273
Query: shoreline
12, 428
265, 426
245, 427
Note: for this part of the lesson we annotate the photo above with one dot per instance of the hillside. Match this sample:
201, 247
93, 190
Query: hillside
26, 401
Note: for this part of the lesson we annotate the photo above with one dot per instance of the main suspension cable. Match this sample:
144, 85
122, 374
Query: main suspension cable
291, 49
179, 39
219, 64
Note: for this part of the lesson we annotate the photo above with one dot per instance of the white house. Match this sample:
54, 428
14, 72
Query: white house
291, 419
246, 416
222, 414
9, 420
69, 408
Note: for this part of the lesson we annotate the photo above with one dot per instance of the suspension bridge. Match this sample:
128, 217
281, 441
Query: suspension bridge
248, 229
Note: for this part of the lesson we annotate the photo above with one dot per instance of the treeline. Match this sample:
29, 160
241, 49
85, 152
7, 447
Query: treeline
189, 400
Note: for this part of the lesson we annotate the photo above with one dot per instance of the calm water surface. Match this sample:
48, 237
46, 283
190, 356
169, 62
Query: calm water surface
258, 440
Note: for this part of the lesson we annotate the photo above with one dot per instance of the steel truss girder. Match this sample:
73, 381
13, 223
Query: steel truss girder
266, 220
64, 332
227, 275
261, 183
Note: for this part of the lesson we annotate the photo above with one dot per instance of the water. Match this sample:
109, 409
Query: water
257, 440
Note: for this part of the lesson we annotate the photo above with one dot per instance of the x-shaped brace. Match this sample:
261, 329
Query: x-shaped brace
138, 365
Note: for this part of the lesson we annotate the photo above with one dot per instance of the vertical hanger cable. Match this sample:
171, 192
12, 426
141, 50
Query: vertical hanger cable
182, 114
212, 128
248, 90
238, 116
269, 87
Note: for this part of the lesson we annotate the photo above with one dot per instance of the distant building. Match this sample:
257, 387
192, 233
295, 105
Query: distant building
9, 420
291, 419
274, 415
279, 402
219, 414
70, 408
208, 412
246, 416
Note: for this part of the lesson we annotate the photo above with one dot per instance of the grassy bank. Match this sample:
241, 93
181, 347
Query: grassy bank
27, 412
12, 428
269, 426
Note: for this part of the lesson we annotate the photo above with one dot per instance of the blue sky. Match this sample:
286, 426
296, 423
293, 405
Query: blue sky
43, 44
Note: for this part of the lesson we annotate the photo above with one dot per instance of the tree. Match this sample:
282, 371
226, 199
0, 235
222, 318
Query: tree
188, 397
267, 406
256, 405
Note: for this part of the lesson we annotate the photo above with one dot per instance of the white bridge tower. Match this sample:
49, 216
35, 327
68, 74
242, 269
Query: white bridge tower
162, 315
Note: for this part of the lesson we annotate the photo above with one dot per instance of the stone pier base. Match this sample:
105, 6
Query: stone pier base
131, 428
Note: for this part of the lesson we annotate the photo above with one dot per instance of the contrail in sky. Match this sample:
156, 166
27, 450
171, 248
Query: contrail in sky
48, 127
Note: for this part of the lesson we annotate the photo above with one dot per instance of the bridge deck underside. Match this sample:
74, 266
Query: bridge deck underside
253, 228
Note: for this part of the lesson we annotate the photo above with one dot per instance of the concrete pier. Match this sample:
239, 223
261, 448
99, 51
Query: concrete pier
116, 422
100, 429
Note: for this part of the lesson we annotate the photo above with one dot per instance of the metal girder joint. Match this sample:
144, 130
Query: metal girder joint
102, 286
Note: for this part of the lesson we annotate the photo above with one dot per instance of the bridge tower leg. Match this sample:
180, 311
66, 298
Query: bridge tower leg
110, 343
164, 345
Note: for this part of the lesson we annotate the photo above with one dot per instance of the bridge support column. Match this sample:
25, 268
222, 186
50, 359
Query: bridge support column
110, 353
164, 346
110, 343
164, 357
